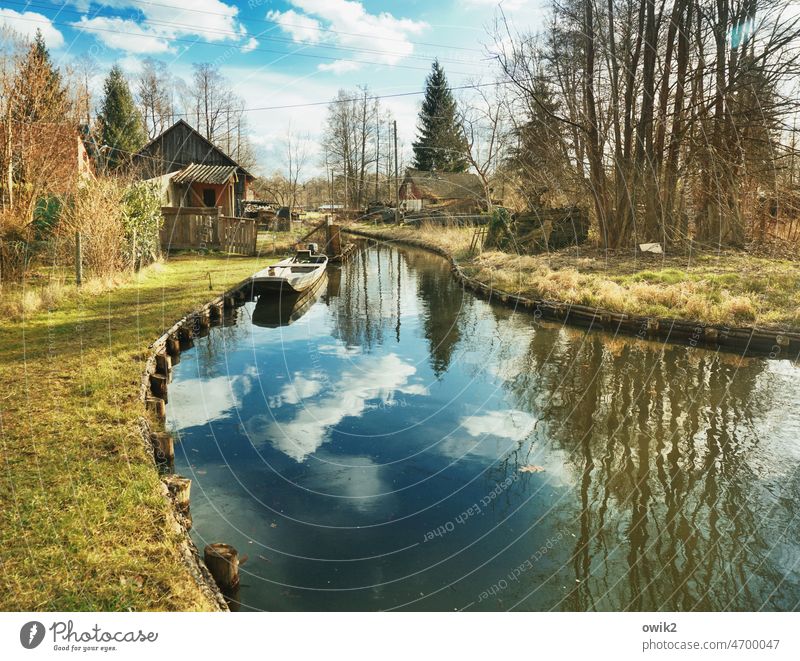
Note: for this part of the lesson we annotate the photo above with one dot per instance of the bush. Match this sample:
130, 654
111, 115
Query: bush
499, 233
141, 218
96, 212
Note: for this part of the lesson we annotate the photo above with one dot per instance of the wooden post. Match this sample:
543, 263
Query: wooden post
157, 407
222, 561
163, 363
163, 447
217, 310
334, 241
179, 489
158, 386
173, 346
78, 259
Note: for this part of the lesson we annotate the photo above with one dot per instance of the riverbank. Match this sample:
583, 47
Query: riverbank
669, 295
722, 288
86, 525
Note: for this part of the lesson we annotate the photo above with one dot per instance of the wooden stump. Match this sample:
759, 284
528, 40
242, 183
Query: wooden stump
204, 319
157, 407
179, 489
173, 346
158, 386
222, 561
163, 447
217, 310
163, 363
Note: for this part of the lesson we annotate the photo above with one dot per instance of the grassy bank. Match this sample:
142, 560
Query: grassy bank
84, 525
727, 288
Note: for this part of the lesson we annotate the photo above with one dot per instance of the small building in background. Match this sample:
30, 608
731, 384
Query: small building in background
192, 171
460, 192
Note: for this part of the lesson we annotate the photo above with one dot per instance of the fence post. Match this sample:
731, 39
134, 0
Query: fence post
78, 259
133, 252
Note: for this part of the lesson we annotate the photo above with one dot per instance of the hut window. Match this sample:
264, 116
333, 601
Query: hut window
209, 197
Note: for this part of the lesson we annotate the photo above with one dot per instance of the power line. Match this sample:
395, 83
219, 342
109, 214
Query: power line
306, 27
196, 41
217, 31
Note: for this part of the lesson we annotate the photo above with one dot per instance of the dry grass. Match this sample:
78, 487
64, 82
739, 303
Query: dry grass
732, 288
84, 524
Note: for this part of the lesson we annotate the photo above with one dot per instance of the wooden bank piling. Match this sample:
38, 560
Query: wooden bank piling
222, 561
163, 447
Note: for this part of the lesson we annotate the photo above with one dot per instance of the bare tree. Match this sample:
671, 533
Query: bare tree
351, 141
483, 118
296, 151
678, 110
153, 93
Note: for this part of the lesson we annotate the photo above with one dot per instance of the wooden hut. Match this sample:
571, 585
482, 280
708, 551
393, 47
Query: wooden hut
459, 191
193, 170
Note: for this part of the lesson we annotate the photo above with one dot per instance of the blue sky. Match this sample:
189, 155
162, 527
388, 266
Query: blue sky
282, 53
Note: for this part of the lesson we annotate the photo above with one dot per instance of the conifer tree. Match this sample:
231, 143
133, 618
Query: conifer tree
440, 144
38, 94
121, 127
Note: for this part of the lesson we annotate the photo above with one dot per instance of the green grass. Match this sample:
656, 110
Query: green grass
84, 525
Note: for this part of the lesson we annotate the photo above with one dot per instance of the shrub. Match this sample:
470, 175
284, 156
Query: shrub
141, 218
498, 233
96, 212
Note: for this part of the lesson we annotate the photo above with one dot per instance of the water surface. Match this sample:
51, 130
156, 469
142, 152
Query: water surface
405, 445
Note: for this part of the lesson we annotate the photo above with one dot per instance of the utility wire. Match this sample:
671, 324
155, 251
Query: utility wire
305, 27
231, 33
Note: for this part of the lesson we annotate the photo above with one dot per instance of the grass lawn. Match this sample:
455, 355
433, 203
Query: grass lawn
727, 288
84, 524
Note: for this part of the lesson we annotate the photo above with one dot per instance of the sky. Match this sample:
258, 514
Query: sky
288, 52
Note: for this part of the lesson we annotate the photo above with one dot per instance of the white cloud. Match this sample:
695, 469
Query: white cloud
375, 38
497, 431
26, 24
511, 424
340, 66
299, 389
210, 20
299, 26
308, 429
123, 34
196, 402
130, 64
251, 44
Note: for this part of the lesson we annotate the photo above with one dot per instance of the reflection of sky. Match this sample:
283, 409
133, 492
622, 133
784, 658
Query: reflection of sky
306, 429
329, 460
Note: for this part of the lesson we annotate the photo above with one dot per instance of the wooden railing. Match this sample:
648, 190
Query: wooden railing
237, 235
195, 228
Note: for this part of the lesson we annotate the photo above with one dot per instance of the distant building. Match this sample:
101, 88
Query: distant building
193, 171
421, 189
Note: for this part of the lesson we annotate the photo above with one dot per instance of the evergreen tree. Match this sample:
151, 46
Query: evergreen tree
39, 94
121, 125
441, 144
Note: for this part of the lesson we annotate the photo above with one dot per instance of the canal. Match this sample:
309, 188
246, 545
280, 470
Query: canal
402, 444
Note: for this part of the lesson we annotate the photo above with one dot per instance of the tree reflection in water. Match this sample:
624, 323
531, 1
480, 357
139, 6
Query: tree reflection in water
657, 477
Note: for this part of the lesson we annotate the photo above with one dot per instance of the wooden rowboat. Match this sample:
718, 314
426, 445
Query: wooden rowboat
284, 309
294, 275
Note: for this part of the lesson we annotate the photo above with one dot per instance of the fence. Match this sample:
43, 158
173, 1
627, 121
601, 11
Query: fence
202, 227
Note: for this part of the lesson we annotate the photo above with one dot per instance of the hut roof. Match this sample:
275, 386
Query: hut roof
205, 174
445, 185
178, 146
